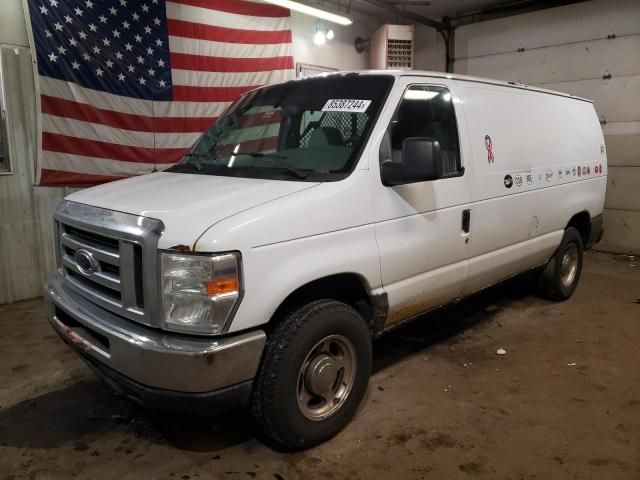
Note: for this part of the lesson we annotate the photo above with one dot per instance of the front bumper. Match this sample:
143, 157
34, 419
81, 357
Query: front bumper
150, 365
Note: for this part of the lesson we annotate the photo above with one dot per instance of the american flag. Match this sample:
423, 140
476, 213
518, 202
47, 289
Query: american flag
127, 86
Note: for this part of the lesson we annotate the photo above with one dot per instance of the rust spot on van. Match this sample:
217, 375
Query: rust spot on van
380, 311
181, 248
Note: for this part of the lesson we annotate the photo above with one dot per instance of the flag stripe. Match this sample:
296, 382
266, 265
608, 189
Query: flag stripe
102, 133
208, 94
82, 111
84, 165
185, 61
110, 101
219, 18
223, 49
240, 7
57, 107
92, 148
222, 79
180, 28
198, 109
91, 131
60, 178
92, 165
250, 126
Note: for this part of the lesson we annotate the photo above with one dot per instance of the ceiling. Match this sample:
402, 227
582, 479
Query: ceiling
438, 9
464, 11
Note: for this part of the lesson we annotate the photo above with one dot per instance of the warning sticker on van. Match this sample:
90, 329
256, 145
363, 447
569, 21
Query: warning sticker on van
346, 105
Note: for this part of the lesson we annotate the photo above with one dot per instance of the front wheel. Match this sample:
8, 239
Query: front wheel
313, 374
559, 278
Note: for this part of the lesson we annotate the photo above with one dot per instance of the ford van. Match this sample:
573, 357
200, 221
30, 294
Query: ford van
312, 217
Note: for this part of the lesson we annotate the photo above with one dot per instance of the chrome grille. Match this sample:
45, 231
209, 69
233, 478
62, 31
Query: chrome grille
121, 251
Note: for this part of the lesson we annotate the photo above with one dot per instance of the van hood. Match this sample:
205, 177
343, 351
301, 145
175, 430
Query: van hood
187, 204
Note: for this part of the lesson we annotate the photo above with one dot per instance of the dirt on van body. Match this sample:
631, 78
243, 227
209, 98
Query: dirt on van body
563, 402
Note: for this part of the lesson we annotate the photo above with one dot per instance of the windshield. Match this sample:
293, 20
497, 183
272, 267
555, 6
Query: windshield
312, 129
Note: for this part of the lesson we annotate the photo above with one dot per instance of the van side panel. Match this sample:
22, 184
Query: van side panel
549, 211
539, 159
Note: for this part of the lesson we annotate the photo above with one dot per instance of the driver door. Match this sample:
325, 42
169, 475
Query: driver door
422, 228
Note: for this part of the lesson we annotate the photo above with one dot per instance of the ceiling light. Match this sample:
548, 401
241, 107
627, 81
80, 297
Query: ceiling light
314, 12
319, 38
329, 34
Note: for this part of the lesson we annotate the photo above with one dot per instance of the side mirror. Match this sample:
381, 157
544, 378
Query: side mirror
421, 161
391, 173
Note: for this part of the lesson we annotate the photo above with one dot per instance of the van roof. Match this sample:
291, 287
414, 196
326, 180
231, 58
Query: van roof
454, 76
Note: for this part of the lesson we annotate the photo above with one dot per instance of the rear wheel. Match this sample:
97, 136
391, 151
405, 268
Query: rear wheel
313, 374
559, 278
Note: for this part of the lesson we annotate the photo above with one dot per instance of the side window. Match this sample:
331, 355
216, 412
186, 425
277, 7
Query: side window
427, 111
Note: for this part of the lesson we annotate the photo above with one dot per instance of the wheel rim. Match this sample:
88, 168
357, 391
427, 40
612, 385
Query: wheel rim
569, 265
326, 377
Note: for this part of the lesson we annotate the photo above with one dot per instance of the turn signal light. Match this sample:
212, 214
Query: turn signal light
223, 285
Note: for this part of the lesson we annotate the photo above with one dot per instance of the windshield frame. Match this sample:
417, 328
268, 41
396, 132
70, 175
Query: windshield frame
279, 172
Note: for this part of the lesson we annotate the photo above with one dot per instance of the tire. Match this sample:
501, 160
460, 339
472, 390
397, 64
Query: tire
279, 400
559, 278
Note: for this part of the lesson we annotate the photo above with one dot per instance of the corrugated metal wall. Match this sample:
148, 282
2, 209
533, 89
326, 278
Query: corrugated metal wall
26, 231
590, 49
26, 251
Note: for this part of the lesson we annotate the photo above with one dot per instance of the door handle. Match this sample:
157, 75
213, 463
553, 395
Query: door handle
466, 220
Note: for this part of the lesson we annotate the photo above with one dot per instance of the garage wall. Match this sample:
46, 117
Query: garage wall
430, 50
26, 229
13, 29
590, 49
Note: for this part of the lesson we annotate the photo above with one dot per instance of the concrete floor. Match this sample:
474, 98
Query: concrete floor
564, 402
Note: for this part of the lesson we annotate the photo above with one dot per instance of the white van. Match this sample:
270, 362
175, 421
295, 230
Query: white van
312, 217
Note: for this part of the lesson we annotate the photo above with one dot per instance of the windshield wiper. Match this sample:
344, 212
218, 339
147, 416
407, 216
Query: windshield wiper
279, 159
197, 165
262, 154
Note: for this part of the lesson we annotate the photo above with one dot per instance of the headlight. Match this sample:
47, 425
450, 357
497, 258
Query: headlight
199, 291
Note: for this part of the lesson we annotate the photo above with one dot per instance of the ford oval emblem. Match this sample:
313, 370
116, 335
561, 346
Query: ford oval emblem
85, 262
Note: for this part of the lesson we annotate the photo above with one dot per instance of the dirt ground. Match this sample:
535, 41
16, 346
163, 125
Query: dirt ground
564, 402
